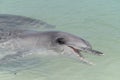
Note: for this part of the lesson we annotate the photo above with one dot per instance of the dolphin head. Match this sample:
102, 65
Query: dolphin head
75, 43
66, 42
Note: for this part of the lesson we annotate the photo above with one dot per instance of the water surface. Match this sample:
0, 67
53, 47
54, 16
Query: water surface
95, 20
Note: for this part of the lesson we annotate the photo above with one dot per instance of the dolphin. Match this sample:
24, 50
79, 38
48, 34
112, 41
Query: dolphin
57, 41
16, 35
22, 22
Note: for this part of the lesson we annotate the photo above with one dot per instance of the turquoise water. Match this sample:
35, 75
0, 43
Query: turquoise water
95, 20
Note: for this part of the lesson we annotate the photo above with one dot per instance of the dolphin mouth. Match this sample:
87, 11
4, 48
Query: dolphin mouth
87, 51
77, 51
74, 49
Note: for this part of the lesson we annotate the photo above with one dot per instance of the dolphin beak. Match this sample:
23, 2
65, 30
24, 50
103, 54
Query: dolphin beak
87, 50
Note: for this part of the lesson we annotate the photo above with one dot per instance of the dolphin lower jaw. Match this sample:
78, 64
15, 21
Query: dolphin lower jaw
80, 56
78, 51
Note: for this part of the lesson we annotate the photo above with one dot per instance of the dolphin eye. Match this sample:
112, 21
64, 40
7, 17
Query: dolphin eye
60, 41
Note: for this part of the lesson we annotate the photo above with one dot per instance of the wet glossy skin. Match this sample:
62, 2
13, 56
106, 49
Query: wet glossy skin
57, 41
14, 35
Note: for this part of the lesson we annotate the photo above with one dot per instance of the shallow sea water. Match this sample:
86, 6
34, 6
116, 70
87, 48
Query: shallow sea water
94, 20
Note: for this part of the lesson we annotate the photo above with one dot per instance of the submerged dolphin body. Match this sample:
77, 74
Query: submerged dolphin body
14, 21
13, 37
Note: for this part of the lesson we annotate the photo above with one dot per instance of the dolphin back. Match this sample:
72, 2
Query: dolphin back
14, 21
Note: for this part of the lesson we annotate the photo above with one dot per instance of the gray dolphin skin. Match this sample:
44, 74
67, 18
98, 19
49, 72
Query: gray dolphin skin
15, 21
22, 41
